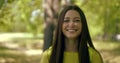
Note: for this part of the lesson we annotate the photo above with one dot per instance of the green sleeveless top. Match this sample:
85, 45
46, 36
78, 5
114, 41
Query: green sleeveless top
72, 57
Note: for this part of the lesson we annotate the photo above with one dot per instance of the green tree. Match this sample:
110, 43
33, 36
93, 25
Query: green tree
21, 16
104, 17
1, 3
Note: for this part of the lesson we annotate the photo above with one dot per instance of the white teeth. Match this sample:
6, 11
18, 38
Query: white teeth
71, 30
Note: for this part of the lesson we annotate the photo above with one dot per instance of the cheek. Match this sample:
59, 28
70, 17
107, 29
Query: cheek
80, 28
63, 26
63, 29
79, 25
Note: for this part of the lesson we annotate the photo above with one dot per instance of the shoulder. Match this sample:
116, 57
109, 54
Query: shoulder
47, 52
95, 56
45, 56
92, 51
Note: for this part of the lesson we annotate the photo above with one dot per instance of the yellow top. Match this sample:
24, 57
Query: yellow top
72, 57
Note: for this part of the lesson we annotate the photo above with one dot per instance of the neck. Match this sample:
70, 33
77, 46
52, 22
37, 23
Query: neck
71, 45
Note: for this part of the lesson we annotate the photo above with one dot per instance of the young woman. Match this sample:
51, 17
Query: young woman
72, 42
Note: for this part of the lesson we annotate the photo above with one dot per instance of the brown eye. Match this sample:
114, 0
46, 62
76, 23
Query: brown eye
76, 20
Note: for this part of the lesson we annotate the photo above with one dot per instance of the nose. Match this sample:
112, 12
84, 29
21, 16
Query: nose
71, 23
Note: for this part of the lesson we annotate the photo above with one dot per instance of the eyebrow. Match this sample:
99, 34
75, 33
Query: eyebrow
77, 17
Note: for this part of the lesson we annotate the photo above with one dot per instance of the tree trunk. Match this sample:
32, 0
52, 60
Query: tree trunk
51, 8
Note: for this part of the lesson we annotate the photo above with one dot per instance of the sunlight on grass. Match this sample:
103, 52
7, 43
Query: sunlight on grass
106, 45
110, 51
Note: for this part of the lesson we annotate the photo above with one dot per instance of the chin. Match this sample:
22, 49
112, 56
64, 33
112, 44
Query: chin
72, 37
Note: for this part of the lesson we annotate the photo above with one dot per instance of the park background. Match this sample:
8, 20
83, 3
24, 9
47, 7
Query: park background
24, 27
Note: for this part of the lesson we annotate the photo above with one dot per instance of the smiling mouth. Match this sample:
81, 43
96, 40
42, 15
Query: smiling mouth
71, 30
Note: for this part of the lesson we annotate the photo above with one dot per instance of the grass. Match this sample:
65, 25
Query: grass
110, 51
17, 55
13, 56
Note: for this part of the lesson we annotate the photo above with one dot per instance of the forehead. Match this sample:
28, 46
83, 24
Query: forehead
72, 13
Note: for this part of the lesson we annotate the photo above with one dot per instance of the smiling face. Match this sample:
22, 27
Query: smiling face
72, 25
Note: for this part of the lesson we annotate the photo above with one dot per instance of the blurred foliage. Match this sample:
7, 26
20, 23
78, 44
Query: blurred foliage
21, 16
103, 16
1, 3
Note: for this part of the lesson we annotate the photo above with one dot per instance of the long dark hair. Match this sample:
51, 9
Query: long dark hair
84, 39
